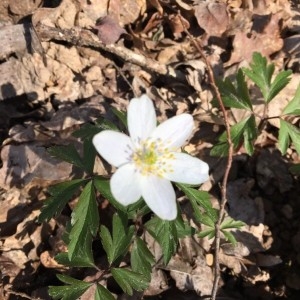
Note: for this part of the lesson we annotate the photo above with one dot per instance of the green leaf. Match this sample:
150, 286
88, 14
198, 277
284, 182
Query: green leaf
165, 233
183, 228
210, 233
141, 258
229, 237
250, 135
293, 107
129, 280
279, 83
103, 187
103, 294
77, 261
230, 223
72, 291
244, 131
205, 219
85, 222
199, 198
104, 124
107, 242
89, 155
60, 193
117, 244
122, 116
261, 74
67, 153
86, 131
288, 131
237, 97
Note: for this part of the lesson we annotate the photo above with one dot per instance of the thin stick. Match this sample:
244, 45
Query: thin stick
228, 165
85, 38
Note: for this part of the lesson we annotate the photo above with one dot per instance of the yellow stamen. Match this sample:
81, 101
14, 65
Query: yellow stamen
150, 158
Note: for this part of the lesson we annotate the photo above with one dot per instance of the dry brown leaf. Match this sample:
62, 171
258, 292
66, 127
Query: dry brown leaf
212, 17
198, 278
20, 247
48, 261
108, 30
131, 10
267, 42
178, 24
21, 163
8, 267
24, 7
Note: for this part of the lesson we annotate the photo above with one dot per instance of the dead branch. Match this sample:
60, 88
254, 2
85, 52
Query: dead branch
228, 165
85, 38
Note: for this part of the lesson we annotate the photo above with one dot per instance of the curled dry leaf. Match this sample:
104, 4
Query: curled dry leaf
48, 261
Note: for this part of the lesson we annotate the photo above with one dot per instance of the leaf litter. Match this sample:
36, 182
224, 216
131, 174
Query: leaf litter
44, 104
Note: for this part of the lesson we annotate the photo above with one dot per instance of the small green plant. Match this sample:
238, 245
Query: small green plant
236, 95
146, 162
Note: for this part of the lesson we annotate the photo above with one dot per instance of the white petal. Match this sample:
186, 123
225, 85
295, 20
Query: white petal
113, 146
159, 195
187, 169
175, 131
141, 118
124, 185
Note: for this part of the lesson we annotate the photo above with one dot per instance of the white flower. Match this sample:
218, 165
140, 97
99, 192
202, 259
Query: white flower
148, 160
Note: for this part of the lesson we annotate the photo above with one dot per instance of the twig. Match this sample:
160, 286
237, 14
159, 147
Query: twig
228, 165
85, 38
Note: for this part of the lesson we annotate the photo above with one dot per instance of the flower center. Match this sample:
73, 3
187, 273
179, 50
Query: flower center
149, 157
152, 157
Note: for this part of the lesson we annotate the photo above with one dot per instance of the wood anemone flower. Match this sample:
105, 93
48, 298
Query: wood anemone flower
148, 160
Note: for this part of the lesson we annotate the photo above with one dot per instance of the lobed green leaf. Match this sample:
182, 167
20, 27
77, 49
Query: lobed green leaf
244, 131
261, 74
201, 198
129, 280
67, 153
288, 132
72, 291
165, 233
117, 244
237, 97
60, 193
141, 258
102, 293
293, 107
85, 222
